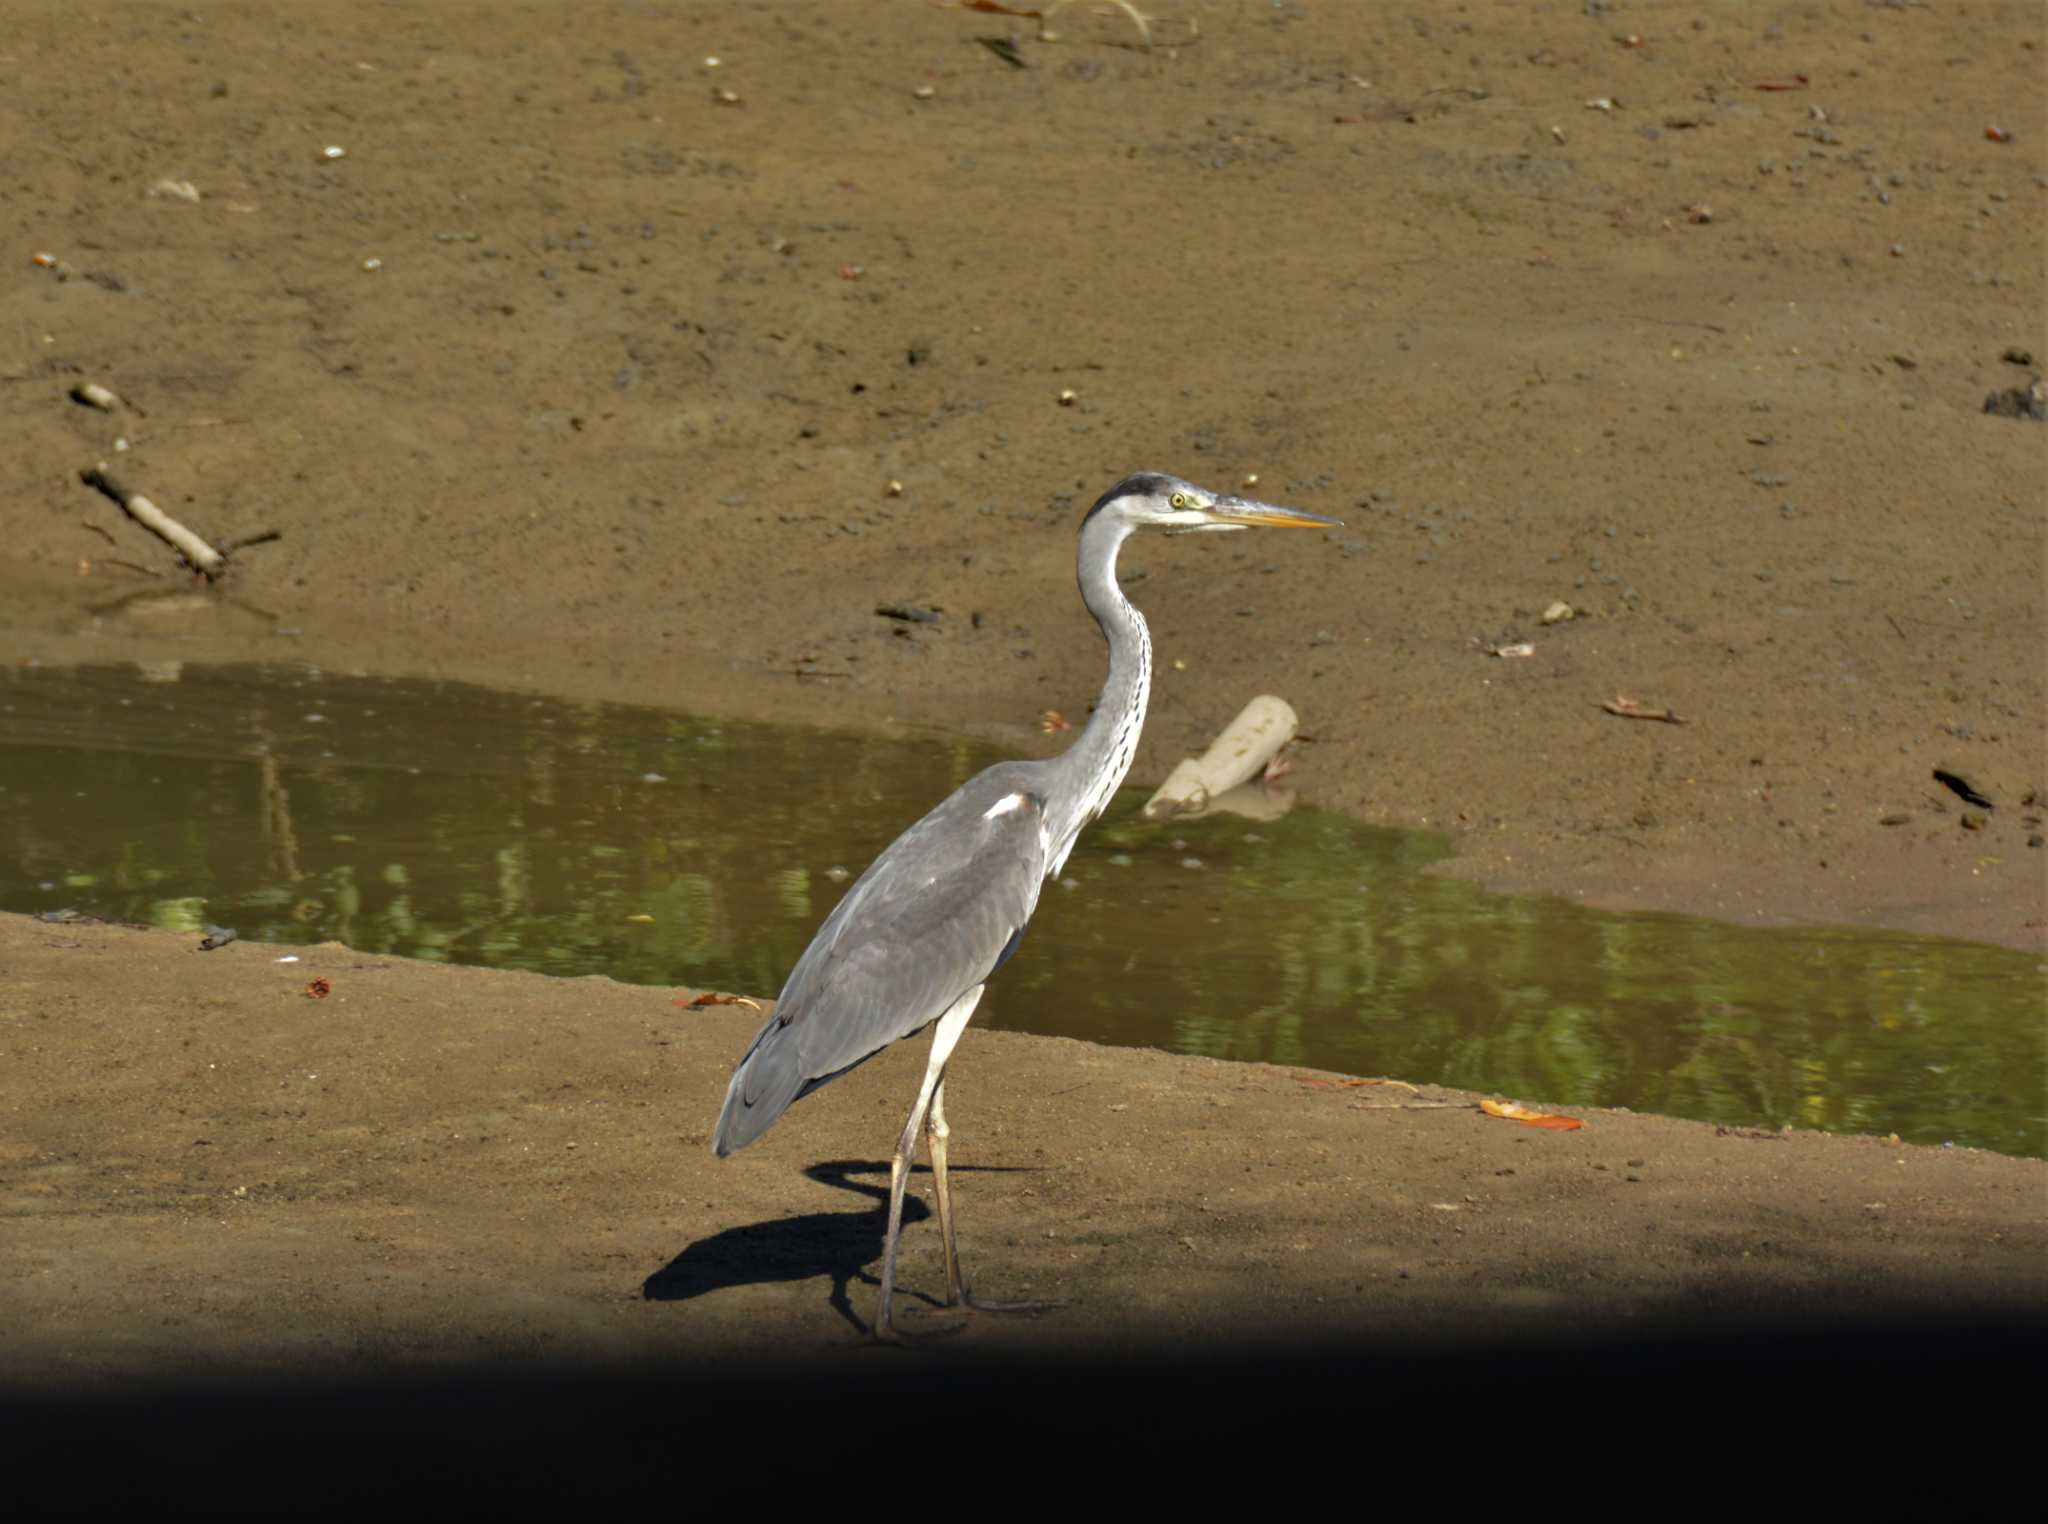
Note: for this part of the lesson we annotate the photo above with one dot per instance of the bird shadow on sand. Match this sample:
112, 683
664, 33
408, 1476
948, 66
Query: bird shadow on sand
841, 1245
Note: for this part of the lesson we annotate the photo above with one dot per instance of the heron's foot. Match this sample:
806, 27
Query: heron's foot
893, 1337
967, 1298
885, 1330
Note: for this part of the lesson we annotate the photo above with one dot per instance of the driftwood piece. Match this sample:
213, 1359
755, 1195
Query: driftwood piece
202, 557
1238, 755
1630, 709
1251, 801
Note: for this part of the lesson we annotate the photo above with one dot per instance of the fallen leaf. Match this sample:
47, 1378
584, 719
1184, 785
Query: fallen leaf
1317, 1082
1004, 49
319, 989
711, 998
1514, 1111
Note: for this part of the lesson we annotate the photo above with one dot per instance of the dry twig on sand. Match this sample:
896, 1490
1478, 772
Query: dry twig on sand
202, 557
1630, 709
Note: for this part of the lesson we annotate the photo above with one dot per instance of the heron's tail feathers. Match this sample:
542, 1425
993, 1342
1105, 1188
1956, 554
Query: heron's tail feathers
768, 1079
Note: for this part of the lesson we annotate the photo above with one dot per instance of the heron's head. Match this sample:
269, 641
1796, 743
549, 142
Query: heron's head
1154, 500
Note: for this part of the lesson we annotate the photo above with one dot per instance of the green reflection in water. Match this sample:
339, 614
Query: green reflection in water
441, 821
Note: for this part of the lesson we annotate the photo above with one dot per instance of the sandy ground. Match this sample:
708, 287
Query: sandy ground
617, 413
463, 1232
206, 1166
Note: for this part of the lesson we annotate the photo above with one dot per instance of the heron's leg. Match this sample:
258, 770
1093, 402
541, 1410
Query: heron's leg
950, 1026
957, 1294
936, 1133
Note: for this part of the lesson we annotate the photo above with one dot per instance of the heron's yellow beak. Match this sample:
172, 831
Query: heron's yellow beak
1250, 513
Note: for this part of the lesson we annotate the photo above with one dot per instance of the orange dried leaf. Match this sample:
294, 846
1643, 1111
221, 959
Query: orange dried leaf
710, 997
1514, 1111
318, 989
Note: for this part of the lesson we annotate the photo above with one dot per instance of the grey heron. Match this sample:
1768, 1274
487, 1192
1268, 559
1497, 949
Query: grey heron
916, 938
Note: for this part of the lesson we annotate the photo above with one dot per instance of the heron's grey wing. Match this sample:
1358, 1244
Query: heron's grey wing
930, 919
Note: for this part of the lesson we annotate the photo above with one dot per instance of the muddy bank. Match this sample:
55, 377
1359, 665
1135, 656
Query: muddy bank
206, 1171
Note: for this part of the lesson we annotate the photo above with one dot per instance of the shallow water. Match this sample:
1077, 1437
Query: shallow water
449, 822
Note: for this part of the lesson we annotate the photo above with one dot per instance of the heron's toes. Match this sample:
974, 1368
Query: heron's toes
898, 1338
891, 1337
990, 1304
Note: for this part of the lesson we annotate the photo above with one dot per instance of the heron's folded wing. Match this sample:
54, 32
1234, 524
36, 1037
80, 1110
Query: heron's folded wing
934, 924
927, 922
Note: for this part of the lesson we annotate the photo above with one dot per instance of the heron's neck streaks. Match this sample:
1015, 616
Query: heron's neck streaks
1093, 768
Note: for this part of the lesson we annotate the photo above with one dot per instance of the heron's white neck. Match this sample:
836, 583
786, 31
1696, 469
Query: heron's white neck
1091, 770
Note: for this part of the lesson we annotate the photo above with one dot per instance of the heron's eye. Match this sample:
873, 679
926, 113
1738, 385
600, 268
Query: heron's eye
1180, 500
